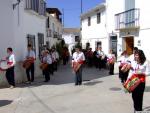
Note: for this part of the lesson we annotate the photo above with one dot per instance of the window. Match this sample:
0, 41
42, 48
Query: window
38, 6
77, 39
89, 21
40, 43
47, 24
98, 18
31, 40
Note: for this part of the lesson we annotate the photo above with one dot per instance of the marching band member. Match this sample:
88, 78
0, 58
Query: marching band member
10, 71
55, 57
78, 59
47, 60
101, 57
31, 58
141, 68
111, 60
123, 61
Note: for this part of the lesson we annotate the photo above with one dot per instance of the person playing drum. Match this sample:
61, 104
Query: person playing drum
30, 57
141, 68
111, 60
10, 59
47, 63
78, 59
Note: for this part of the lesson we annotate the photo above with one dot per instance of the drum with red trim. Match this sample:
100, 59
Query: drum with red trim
132, 83
3, 65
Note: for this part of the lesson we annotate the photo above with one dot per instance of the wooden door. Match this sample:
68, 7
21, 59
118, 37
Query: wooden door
129, 45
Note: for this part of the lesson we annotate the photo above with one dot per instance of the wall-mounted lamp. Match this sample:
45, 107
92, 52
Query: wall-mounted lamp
14, 5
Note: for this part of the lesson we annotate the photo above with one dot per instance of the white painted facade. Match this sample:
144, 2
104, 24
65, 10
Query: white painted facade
69, 39
107, 28
15, 26
55, 26
96, 32
139, 35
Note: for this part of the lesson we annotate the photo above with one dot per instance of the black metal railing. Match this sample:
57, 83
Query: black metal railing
38, 6
128, 19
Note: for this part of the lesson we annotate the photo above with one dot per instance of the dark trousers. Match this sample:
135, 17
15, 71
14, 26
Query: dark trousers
99, 63
55, 66
137, 96
51, 68
46, 73
10, 76
30, 77
111, 69
78, 77
123, 75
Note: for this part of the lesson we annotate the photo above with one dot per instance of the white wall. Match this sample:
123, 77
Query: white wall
95, 32
6, 26
69, 40
13, 33
58, 28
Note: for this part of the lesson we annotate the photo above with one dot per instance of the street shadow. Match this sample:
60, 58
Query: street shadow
146, 108
91, 83
147, 89
64, 75
115, 89
5, 102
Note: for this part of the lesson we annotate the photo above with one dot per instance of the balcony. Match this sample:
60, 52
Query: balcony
36, 6
128, 19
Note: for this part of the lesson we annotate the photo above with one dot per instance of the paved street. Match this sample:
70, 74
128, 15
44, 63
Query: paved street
100, 93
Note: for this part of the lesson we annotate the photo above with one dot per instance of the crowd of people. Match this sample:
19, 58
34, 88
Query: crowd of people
133, 69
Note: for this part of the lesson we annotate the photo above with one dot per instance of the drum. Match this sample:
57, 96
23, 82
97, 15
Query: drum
76, 66
26, 64
132, 83
43, 66
125, 67
3, 65
111, 61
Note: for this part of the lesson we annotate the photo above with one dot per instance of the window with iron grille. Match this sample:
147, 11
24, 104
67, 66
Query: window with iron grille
89, 21
98, 18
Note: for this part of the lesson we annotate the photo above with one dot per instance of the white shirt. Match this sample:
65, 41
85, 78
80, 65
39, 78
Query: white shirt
100, 53
11, 59
47, 59
110, 56
123, 59
31, 53
78, 57
142, 69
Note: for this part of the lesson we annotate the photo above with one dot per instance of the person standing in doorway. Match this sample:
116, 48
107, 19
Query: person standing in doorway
78, 59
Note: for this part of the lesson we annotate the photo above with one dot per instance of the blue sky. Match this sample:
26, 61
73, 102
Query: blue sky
72, 9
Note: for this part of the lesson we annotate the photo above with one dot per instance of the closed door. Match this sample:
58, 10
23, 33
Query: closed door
129, 44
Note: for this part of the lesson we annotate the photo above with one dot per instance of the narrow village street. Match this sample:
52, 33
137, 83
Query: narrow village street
100, 93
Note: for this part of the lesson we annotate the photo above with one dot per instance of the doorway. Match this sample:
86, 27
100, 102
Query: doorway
129, 42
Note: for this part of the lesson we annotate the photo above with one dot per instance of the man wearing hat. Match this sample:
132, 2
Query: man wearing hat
78, 59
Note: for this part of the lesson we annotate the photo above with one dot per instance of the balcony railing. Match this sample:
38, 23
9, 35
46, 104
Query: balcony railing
38, 6
128, 19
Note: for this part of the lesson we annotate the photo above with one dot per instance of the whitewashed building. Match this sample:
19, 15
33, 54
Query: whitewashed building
94, 32
54, 26
22, 22
71, 37
131, 24
124, 25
